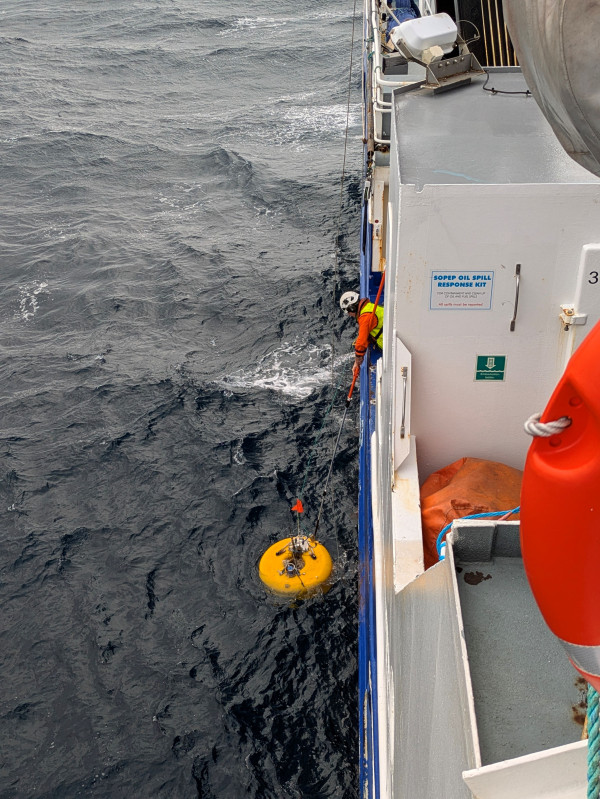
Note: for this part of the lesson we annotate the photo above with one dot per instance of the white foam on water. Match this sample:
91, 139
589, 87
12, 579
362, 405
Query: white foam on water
342, 14
242, 24
59, 230
322, 118
293, 98
28, 298
295, 369
303, 123
238, 455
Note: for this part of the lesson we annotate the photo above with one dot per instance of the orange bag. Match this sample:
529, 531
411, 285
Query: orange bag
469, 485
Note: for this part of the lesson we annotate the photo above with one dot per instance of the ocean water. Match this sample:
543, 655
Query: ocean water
170, 202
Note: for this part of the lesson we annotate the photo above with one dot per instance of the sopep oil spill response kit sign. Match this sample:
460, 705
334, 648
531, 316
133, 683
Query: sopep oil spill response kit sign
467, 291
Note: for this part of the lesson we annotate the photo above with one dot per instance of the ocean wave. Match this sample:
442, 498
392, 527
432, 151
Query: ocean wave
6, 41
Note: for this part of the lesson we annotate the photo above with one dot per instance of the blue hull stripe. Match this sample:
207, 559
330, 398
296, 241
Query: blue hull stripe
367, 647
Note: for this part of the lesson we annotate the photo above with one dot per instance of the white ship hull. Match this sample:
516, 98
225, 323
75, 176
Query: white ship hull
489, 235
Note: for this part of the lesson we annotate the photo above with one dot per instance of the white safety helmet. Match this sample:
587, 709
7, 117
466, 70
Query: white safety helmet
349, 301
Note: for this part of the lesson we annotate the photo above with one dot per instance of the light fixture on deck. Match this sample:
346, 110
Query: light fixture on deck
427, 41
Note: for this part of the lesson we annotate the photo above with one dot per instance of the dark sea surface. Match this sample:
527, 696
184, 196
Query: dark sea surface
170, 199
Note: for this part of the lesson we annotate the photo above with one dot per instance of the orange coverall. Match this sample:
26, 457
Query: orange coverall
366, 323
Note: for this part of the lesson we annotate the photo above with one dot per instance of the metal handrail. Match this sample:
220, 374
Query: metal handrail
378, 82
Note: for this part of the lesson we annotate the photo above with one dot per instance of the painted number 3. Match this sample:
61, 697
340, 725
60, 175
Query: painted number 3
593, 278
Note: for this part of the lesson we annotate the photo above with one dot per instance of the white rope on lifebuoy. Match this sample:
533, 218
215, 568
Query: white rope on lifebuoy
534, 427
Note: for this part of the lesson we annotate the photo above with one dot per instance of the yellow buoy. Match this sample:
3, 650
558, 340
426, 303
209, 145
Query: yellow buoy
295, 566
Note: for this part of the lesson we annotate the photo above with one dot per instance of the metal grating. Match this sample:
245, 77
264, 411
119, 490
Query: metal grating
497, 46
493, 48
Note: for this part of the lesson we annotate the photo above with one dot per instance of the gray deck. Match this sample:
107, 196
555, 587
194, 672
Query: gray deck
471, 136
527, 694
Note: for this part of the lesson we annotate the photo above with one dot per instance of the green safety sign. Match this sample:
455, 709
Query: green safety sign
490, 367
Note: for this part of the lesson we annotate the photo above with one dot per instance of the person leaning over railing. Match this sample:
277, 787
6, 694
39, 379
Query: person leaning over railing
370, 325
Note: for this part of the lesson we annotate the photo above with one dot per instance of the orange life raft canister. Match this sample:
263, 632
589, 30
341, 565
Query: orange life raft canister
560, 512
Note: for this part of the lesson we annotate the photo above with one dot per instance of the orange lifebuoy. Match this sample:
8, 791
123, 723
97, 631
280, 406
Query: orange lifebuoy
560, 512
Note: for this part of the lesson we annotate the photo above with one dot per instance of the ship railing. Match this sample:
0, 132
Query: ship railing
380, 85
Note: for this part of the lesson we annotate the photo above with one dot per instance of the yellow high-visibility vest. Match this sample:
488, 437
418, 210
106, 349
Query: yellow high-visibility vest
376, 335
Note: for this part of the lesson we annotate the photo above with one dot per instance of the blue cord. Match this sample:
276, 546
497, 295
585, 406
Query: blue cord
438, 543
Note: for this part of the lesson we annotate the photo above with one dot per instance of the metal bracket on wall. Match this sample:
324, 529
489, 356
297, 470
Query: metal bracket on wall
568, 317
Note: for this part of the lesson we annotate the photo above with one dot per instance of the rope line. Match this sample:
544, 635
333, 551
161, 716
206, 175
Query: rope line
342, 179
300, 524
336, 263
324, 494
593, 790
318, 436
334, 301
534, 427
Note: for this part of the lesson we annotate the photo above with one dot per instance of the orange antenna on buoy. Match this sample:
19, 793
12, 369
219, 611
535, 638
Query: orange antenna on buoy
298, 507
